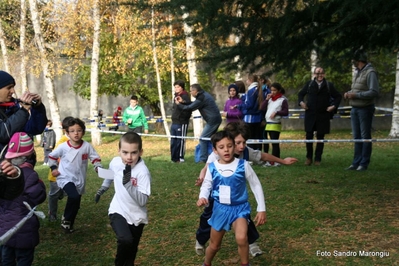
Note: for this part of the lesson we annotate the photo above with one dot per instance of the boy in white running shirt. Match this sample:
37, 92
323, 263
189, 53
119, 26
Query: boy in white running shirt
128, 211
225, 181
71, 170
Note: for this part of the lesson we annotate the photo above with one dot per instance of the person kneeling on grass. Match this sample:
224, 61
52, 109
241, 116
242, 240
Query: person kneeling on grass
225, 182
240, 132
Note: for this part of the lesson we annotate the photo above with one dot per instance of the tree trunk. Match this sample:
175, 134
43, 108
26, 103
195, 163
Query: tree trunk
4, 50
313, 62
95, 133
394, 133
192, 69
172, 58
22, 28
47, 75
154, 52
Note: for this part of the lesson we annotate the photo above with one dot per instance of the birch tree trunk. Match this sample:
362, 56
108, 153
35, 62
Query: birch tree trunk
154, 52
4, 50
22, 29
192, 69
47, 75
237, 38
172, 58
95, 133
394, 133
313, 62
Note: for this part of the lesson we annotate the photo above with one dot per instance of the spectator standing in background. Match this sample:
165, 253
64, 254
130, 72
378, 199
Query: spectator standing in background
322, 100
48, 141
250, 107
276, 106
116, 118
231, 113
180, 121
364, 91
206, 105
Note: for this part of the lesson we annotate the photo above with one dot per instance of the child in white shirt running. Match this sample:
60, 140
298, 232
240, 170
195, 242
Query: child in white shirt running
71, 170
225, 181
128, 211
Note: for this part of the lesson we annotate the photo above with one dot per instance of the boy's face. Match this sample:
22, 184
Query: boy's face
75, 133
133, 103
225, 150
130, 153
240, 144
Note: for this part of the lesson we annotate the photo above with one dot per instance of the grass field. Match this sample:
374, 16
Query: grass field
317, 215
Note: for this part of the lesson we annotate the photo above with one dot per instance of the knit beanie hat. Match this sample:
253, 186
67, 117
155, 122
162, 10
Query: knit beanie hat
360, 55
20, 145
6, 79
234, 86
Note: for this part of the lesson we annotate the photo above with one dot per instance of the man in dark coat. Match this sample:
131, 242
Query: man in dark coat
26, 114
322, 101
205, 103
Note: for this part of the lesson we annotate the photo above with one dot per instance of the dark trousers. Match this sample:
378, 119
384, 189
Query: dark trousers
128, 238
178, 145
73, 203
17, 256
319, 146
276, 146
204, 230
256, 133
136, 130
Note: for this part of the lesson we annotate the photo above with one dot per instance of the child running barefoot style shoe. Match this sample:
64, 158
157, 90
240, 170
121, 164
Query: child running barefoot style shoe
225, 181
70, 171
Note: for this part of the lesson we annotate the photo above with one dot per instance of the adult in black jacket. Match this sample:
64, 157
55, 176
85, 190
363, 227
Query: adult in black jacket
26, 114
206, 105
322, 100
180, 121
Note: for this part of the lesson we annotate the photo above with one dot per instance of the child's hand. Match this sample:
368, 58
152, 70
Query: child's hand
260, 218
8, 169
55, 173
202, 202
199, 181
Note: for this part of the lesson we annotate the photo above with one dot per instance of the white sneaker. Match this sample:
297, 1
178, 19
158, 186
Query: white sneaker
199, 249
255, 250
266, 164
276, 164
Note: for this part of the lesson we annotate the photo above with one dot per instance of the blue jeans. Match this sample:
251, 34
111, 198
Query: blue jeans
209, 130
362, 119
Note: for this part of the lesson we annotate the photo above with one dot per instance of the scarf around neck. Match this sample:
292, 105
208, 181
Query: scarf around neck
275, 97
